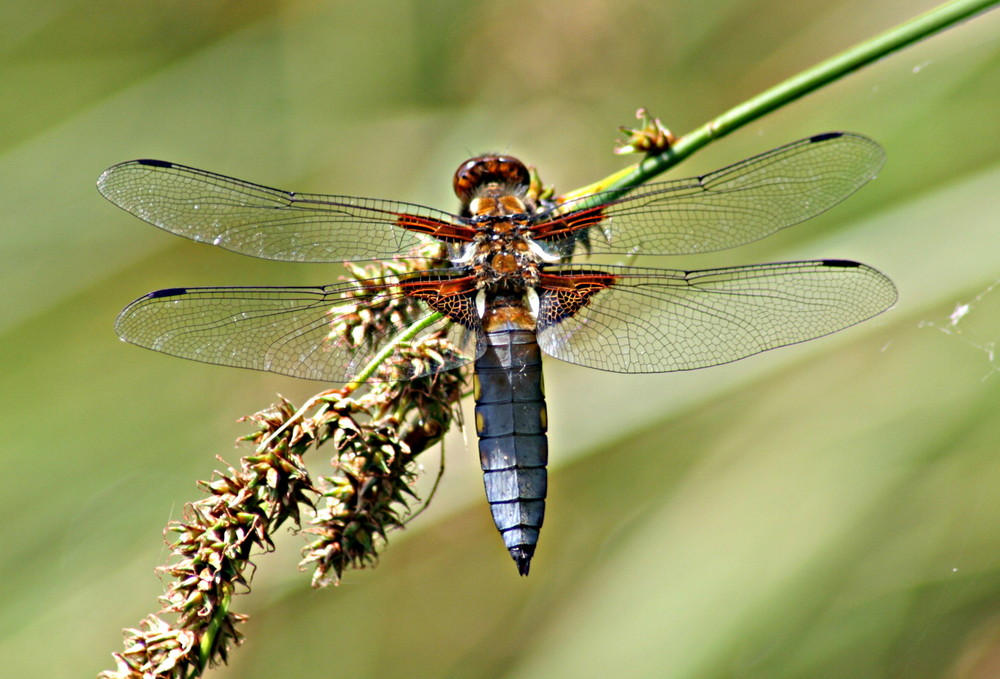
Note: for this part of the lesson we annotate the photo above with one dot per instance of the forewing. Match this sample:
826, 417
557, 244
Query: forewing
319, 333
732, 206
269, 223
635, 320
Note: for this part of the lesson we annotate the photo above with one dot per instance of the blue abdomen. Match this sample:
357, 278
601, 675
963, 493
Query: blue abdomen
513, 449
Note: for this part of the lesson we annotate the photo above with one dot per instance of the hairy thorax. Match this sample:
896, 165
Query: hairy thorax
503, 253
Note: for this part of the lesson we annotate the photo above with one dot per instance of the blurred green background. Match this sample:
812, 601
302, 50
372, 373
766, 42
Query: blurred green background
825, 510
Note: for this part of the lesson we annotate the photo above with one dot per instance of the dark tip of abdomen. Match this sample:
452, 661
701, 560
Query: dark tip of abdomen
522, 557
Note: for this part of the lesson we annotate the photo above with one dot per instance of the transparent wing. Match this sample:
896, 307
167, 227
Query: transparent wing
732, 206
307, 332
269, 223
635, 320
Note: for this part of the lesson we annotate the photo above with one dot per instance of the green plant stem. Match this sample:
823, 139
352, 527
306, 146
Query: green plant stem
797, 86
388, 349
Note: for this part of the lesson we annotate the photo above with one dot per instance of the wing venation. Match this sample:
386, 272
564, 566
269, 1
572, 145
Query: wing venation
635, 320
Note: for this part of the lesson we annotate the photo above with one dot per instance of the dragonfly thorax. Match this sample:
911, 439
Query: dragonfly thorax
506, 256
502, 250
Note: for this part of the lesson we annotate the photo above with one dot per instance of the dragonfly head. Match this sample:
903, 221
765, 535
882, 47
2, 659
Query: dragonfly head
503, 172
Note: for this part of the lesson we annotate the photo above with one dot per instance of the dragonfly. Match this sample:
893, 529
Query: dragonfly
511, 288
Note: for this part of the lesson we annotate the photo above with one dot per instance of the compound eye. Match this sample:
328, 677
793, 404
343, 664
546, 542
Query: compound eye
490, 169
